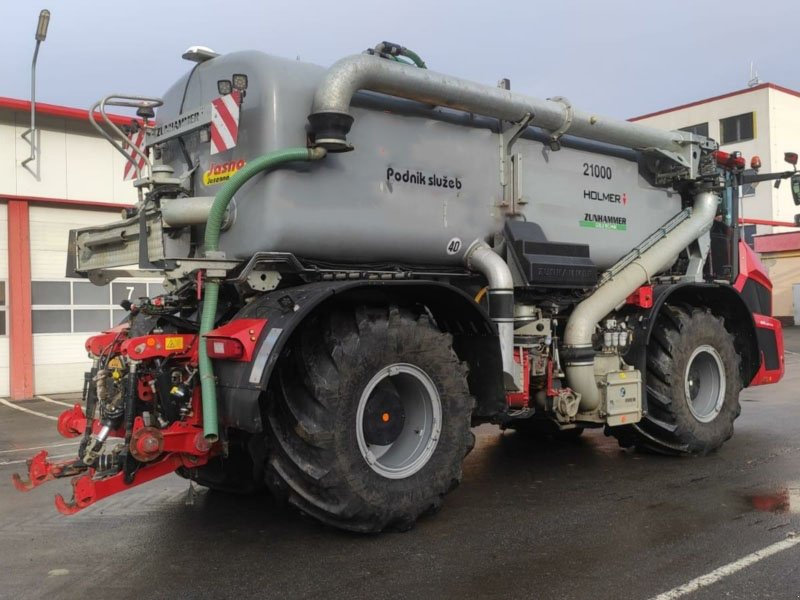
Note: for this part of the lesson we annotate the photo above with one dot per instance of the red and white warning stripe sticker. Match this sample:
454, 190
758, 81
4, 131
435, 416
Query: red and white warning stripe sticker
135, 138
224, 122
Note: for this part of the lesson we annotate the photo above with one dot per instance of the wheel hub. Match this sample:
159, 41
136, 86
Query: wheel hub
704, 383
398, 420
384, 415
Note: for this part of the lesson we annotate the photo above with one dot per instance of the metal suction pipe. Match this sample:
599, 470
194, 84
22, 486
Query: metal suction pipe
481, 258
583, 320
330, 117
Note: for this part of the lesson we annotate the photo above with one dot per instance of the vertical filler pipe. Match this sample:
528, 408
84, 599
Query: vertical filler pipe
208, 384
481, 258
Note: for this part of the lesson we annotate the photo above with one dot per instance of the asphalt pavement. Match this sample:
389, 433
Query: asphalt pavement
531, 519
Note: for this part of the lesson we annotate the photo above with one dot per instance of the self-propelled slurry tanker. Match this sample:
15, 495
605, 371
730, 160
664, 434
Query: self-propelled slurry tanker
364, 261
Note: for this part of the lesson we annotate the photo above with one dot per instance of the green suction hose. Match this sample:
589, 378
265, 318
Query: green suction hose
414, 57
216, 215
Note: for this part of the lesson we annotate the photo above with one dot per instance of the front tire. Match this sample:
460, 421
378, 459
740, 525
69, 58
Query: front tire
369, 419
693, 385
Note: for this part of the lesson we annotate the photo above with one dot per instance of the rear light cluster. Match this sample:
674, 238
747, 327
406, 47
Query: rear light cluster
735, 160
730, 160
235, 340
224, 348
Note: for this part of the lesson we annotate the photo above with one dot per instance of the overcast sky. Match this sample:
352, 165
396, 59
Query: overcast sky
617, 57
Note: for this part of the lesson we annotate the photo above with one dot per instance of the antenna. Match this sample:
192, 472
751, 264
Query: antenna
754, 79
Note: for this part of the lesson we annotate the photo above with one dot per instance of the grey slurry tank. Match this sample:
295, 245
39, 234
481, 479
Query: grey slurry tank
418, 178
363, 262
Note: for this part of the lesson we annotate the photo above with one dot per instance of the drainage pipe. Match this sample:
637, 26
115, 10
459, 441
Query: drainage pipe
583, 320
216, 218
481, 258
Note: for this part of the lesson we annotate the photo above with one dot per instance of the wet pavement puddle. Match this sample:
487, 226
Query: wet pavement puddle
781, 500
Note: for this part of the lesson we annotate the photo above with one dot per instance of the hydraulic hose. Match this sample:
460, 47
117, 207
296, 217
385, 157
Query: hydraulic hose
414, 57
216, 217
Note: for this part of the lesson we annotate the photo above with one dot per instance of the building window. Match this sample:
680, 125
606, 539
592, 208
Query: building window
748, 235
738, 128
699, 129
79, 306
3, 304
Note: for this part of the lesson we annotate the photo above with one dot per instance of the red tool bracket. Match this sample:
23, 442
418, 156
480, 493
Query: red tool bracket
86, 490
641, 297
521, 399
41, 470
72, 423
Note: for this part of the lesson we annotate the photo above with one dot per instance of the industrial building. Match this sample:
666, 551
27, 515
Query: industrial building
74, 180
764, 121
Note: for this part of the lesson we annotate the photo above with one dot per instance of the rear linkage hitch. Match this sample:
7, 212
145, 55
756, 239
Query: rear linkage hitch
153, 452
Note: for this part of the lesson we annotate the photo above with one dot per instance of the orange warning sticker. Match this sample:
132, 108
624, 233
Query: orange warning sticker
173, 343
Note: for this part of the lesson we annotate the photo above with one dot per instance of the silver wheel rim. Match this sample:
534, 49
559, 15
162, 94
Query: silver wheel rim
704, 383
416, 441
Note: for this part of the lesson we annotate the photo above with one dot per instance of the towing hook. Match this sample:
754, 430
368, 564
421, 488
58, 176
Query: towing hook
41, 470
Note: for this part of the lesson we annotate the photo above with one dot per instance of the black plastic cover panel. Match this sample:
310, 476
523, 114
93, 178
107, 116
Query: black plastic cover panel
549, 264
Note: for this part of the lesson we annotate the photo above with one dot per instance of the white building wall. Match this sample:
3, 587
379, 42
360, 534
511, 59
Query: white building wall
784, 136
759, 206
8, 153
73, 163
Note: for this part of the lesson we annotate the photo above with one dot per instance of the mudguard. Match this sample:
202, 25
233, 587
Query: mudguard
758, 338
240, 384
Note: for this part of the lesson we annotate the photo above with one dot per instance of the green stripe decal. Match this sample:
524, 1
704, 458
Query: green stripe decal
598, 225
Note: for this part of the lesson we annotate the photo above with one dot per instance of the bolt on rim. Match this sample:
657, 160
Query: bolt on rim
398, 420
704, 383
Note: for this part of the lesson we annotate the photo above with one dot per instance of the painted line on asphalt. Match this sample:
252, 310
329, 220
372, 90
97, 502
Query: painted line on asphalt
27, 410
39, 447
729, 569
47, 399
4, 463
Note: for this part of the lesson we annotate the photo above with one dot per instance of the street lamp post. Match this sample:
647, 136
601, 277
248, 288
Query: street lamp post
41, 34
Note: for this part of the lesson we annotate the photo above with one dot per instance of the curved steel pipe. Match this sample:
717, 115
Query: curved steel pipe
586, 316
481, 258
330, 116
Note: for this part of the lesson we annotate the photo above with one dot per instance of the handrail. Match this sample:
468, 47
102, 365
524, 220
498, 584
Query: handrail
129, 102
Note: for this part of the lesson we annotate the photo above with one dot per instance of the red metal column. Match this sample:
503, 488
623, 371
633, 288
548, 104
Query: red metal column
19, 301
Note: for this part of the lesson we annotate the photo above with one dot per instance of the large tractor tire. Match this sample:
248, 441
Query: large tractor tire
369, 419
693, 385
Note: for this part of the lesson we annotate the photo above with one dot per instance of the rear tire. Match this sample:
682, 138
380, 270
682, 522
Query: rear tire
352, 384
693, 385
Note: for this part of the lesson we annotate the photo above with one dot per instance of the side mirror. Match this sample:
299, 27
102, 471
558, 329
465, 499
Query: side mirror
791, 158
795, 182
